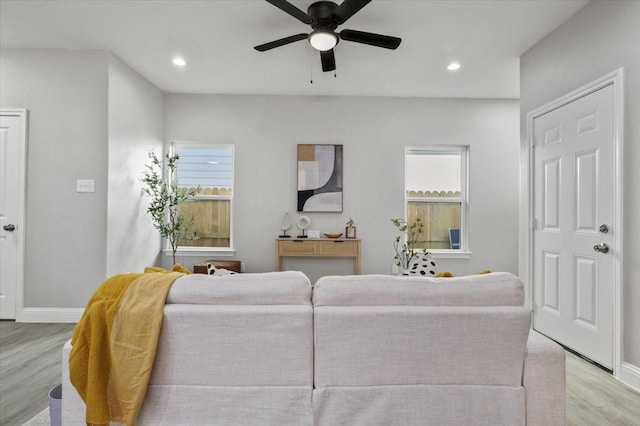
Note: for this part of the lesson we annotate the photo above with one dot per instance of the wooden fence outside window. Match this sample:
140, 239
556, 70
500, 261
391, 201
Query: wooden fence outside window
440, 211
210, 209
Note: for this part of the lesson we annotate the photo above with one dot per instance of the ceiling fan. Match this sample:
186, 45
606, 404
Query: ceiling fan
324, 17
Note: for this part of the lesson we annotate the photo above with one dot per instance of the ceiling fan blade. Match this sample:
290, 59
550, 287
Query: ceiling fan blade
291, 10
379, 40
328, 60
281, 42
348, 8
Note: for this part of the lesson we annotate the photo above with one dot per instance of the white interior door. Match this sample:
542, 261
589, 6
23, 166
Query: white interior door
12, 168
573, 273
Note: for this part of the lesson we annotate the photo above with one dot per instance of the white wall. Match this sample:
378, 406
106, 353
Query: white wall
90, 117
66, 95
135, 128
93, 117
374, 131
600, 38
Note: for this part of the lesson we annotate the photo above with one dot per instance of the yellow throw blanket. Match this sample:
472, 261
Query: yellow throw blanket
114, 344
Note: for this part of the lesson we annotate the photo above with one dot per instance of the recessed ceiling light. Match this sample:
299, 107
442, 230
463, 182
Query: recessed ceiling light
179, 62
453, 66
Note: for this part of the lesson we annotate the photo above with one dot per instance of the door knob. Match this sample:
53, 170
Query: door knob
601, 248
10, 227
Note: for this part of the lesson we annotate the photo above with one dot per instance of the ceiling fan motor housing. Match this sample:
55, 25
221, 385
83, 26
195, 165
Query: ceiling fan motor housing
323, 17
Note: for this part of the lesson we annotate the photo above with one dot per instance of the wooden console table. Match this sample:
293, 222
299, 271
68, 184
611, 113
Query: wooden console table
318, 247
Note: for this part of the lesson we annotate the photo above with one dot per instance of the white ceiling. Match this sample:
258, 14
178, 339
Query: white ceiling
217, 38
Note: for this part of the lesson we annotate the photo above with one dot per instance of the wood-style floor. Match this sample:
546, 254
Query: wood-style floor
31, 358
595, 398
30, 365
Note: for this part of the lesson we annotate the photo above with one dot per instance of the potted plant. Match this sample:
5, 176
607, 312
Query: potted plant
166, 197
406, 248
350, 229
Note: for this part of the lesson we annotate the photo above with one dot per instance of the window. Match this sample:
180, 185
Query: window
208, 169
436, 191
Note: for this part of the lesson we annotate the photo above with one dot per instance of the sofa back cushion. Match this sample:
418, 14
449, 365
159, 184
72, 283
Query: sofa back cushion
494, 289
269, 288
413, 345
235, 345
241, 330
380, 330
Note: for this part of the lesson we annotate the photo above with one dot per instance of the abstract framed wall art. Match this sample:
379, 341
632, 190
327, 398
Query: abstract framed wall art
320, 178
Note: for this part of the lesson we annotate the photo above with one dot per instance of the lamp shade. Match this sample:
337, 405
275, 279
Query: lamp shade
323, 40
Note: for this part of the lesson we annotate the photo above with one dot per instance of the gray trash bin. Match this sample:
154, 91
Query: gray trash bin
55, 405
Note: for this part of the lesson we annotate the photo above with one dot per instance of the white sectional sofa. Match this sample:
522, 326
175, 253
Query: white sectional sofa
432, 351
233, 350
259, 349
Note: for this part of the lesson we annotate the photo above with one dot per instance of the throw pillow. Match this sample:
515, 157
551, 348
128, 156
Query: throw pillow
176, 268
425, 265
448, 274
214, 270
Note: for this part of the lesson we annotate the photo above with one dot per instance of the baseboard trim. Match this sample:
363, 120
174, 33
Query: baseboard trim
67, 315
630, 375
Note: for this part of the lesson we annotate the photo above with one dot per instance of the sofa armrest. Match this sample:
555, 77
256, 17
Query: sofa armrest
73, 407
544, 381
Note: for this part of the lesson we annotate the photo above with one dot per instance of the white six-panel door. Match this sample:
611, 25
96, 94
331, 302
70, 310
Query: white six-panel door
573, 276
12, 183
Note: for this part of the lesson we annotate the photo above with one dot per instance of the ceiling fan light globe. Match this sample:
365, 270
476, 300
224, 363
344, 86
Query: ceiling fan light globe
323, 40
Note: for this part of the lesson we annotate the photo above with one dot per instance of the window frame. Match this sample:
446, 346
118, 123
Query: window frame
196, 251
464, 152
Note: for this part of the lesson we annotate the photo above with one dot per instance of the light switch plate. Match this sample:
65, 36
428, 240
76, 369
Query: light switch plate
85, 185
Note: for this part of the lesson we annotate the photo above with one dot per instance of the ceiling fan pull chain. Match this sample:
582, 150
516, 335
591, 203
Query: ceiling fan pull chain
311, 51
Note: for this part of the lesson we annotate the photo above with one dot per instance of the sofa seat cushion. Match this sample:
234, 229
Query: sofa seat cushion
494, 289
269, 288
